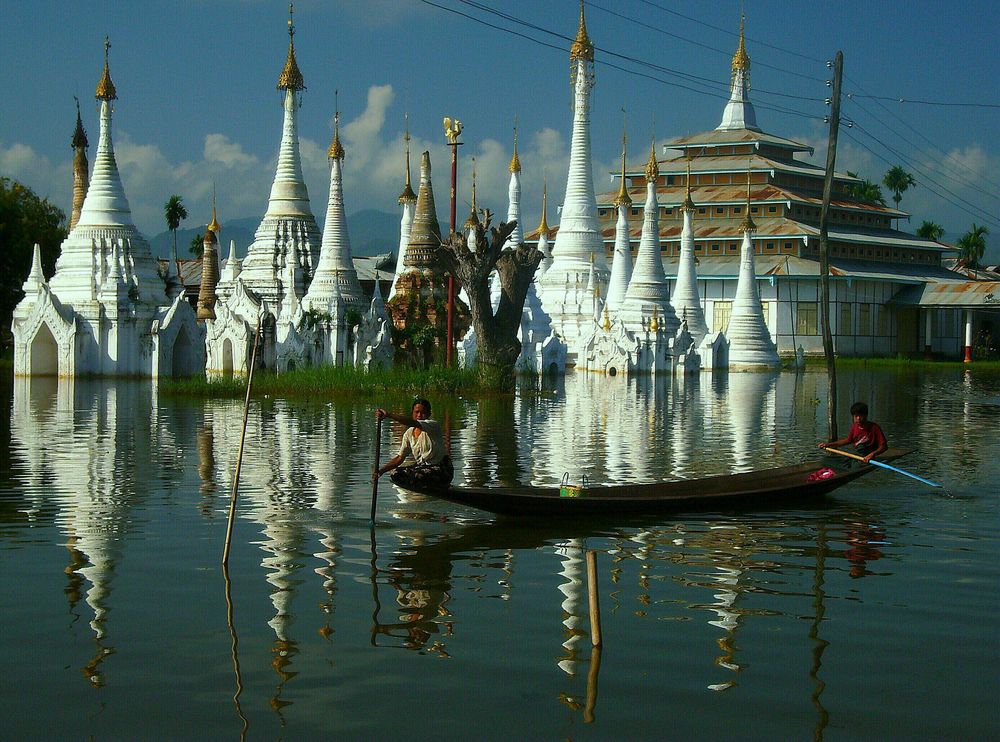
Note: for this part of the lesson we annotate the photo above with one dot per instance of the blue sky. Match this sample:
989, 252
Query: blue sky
197, 99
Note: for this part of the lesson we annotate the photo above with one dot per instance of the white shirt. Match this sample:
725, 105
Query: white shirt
425, 444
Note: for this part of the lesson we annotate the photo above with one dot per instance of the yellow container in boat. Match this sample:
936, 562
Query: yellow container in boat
571, 490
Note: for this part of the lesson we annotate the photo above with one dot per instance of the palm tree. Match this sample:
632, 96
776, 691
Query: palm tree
866, 191
930, 231
898, 181
972, 245
175, 213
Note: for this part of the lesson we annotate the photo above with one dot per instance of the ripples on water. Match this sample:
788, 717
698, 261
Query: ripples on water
868, 615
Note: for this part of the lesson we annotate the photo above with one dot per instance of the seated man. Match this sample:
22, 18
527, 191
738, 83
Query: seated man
424, 443
866, 435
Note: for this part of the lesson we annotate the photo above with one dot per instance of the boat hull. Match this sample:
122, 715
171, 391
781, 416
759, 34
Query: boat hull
764, 488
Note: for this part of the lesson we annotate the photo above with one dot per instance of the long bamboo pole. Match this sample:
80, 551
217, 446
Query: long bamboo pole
378, 456
239, 457
595, 602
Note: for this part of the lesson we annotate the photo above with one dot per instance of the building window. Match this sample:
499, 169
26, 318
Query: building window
702, 210
715, 246
846, 324
772, 209
806, 313
720, 210
721, 313
754, 209
737, 209
635, 212
602, 212
864, 319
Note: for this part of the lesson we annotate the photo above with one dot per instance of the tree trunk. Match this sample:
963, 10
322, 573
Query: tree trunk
496, 334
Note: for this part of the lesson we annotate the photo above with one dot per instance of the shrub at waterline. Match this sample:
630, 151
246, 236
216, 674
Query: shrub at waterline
331, 381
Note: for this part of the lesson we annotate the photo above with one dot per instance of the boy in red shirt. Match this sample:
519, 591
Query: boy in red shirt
867, 436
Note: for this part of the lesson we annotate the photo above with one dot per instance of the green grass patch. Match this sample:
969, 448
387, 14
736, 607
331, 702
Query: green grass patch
342, 381
903, 362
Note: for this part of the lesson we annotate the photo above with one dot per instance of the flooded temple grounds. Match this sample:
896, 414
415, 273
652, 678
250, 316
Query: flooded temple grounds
868, 614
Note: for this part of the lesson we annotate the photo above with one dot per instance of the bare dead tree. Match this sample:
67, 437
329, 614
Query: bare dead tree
496, 334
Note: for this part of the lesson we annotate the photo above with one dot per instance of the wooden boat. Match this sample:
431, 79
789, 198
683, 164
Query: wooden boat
761, 488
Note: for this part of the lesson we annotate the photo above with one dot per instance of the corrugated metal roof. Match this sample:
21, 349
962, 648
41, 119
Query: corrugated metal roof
728, 267
966, 294
717, 137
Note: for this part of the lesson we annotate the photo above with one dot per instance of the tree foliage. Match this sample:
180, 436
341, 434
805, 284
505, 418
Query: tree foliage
496, 333
24, 220
174, 212
930, 230
866, 191
197, 246
972, 245
898, 181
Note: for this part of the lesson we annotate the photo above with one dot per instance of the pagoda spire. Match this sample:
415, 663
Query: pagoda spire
621, 264
473, 220
563, 286
514, 197
544, 232
207, 297
105, 202
81, 168
289, 196
686, 299
750, 341
407, 199
739, 112
335, 275
425, 233
647, 291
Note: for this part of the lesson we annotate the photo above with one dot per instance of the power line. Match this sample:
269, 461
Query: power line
940, 162
693, 79
958, 202
927, 102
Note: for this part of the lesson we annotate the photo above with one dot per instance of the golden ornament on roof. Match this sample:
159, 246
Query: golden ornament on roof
652, 167
583, 47
623, 199
452, 130
515, 161
336, 151
106, 88
741, 60
688, 204
607, 320
543, 226
654, 323
290, 77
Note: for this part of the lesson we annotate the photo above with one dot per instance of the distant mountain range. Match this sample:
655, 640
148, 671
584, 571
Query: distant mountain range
372, 233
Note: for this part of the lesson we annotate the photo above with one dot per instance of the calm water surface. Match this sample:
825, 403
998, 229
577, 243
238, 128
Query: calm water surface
869, 615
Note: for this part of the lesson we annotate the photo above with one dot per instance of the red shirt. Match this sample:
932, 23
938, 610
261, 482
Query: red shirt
867, 435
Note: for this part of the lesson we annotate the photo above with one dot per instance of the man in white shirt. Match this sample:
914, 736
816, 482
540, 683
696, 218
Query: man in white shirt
423, 442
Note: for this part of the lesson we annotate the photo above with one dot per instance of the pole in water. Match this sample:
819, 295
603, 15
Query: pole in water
873, 462
378, 456
239, 458
595, 603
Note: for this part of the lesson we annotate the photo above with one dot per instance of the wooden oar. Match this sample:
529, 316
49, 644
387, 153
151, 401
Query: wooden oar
378, 455
884, 466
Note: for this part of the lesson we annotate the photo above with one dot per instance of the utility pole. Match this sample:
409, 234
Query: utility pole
824, 246
452, 130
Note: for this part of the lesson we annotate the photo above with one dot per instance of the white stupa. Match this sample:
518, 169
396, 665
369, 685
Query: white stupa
563, 286
106, 310
621, 264
286, 244
739, 112
750, 341
648, 294
686, 300
408, 201
335, 262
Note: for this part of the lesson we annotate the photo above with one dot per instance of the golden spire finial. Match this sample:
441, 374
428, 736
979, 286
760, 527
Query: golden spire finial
688, 204
290, 77
106, 88
583, 47
654, 322
214, 227
543, 226
336, 151
515, 161
607, 320
623, 199
79, 134
407, 196
741, 60
748, 223
652, 167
